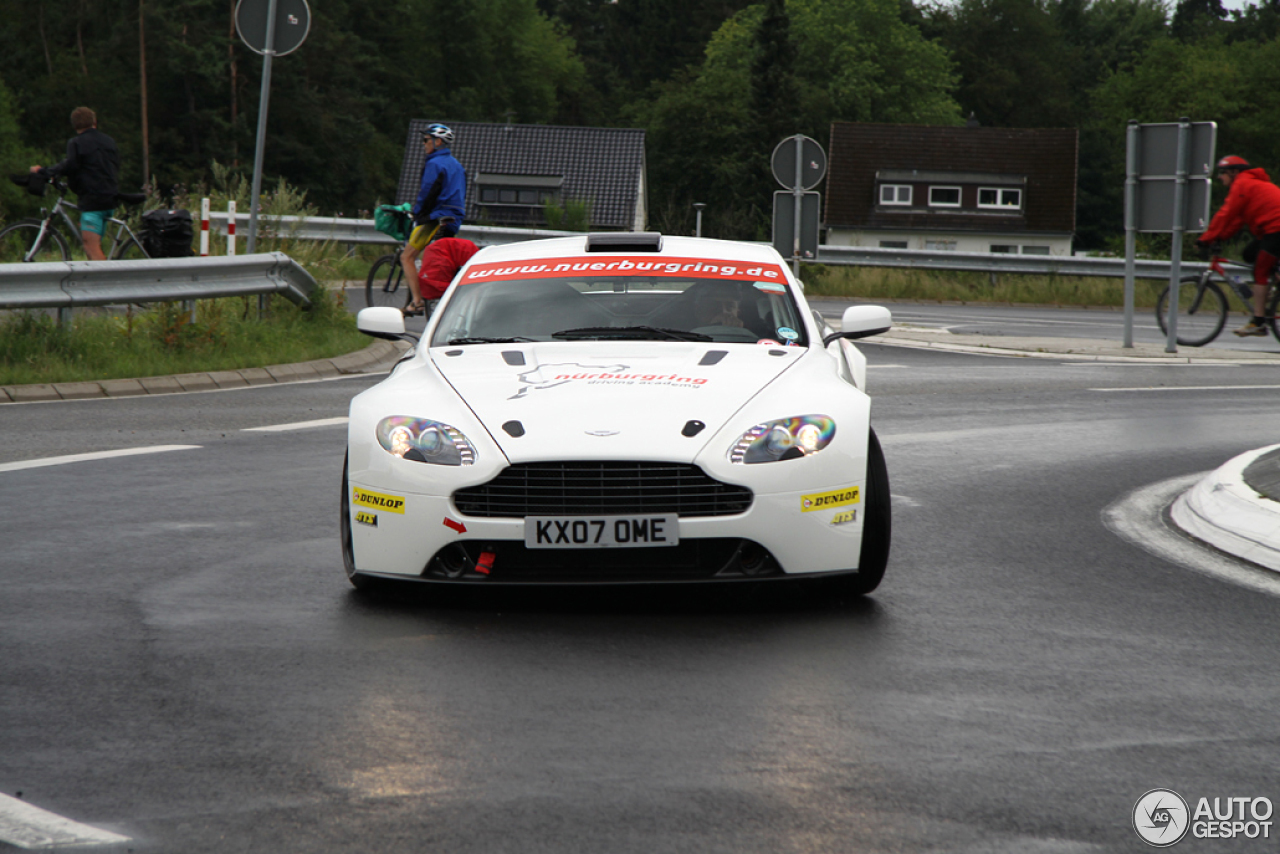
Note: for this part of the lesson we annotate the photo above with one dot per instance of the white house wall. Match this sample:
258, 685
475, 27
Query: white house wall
958, 242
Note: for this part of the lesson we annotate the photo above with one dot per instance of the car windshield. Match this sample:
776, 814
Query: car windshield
691, 301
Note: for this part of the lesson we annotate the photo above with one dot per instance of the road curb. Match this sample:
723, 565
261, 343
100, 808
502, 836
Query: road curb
1070, 349
1226, 512
377, 357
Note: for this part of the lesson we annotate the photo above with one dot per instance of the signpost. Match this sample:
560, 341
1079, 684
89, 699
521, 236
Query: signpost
271, 28
1167, 188
799, 164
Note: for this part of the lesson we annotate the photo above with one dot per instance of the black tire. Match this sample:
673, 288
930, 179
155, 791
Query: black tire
358, 580
877, 530
1273, 305
18, 238
385, 285
130, 250
1201, 315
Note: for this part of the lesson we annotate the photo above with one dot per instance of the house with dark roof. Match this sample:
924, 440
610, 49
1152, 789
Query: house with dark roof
968, 189
515, 171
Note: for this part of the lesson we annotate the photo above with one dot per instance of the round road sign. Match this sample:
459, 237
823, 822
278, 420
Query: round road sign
293, 22
813, 162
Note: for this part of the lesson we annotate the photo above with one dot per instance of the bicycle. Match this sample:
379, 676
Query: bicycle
385, 285
1203, 307
35, 240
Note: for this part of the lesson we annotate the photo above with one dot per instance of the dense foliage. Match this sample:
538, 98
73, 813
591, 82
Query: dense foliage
716, 83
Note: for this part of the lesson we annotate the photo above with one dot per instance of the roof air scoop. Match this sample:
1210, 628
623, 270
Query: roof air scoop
624, 241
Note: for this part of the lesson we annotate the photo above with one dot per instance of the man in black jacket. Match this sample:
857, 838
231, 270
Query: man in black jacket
91, 166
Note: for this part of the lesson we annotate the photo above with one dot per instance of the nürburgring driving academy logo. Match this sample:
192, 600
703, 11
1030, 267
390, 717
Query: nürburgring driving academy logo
1160, 817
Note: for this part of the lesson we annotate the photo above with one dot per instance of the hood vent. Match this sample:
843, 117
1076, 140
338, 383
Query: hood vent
624, 241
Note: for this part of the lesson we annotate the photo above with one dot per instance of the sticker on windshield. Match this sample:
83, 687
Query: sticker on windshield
771, 287
770, 342
638, 265
787, 333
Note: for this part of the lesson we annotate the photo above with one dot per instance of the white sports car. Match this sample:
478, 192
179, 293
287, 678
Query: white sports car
618, 408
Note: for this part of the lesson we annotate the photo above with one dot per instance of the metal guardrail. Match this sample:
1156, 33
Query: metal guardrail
987, 262
343, 230
74, 284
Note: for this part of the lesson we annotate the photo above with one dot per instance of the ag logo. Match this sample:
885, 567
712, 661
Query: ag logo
1160, 817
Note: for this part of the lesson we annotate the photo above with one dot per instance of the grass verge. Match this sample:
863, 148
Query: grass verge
951, 286
162, 339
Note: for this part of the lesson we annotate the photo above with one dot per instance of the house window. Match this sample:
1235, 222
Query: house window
940, 245
893, 244
895, 194
1004, 249
525, 191
999, 199
1035, 250
944, 197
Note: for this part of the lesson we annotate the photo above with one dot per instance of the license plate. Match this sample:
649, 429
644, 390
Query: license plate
600, 532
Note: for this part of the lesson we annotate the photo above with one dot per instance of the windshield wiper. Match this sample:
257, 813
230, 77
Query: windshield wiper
631, 332
516, 340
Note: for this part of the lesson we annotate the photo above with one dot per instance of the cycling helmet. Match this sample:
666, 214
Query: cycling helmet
1233, 162
439, 131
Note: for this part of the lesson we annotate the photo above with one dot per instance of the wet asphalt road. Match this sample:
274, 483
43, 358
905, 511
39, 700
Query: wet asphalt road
184, 663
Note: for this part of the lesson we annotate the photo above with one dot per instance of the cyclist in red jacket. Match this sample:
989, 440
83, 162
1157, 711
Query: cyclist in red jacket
1252, 202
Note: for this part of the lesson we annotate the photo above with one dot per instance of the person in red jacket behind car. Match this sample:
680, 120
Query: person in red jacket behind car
1252, 202
441, 261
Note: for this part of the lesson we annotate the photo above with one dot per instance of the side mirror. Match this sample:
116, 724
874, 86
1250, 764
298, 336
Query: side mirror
381, 322
861, 321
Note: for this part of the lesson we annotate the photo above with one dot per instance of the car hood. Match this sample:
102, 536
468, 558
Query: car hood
615, 400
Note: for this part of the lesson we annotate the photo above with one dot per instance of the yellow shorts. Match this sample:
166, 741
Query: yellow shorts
423, 234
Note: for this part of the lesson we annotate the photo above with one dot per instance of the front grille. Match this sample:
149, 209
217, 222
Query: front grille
602, 489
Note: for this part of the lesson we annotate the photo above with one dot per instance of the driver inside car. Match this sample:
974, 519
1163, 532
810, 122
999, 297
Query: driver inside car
718, 305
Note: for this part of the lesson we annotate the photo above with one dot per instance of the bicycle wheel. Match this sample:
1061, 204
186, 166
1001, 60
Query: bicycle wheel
129, 250
385, 285
17, 239
1273, 305
1201, 313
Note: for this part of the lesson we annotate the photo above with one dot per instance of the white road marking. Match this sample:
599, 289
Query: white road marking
297, 425
97, 455
1139, 518
1191, 388
30, 827
882, 367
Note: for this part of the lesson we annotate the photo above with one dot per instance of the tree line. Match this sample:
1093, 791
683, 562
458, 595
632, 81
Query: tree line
715, 83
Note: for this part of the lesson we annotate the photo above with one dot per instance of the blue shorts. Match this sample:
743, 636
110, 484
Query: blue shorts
95, 221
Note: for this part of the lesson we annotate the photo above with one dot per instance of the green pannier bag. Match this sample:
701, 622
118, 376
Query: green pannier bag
394, 221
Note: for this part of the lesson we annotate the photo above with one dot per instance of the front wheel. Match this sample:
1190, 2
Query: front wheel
358, 580
877, 529
1202, 312
385, 285
18, 243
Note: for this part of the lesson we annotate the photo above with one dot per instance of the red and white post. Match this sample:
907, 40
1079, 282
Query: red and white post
204, 228
231, 227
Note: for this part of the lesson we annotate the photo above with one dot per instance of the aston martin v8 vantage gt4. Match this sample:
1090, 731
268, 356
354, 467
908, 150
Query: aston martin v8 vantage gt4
619, 408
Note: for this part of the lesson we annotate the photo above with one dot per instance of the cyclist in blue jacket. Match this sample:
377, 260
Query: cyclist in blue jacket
441, 201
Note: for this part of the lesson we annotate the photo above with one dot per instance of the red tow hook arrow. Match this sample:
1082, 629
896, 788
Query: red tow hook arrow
457, 526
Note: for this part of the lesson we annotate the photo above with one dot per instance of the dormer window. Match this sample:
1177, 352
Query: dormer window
944, 197
895, 194
527, 191
999, 198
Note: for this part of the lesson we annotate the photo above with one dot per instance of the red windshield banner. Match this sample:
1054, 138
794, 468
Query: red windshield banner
698, 268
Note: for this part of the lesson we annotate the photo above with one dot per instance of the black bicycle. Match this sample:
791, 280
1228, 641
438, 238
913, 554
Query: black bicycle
41, 240
1203, 305
385, 285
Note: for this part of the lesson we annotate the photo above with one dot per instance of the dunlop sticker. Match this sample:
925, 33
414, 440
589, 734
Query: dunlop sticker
845, 518
377, 500
827, 500
370, 519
